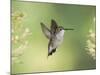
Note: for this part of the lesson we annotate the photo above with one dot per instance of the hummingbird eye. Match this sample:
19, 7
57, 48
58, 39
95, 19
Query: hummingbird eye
60, 29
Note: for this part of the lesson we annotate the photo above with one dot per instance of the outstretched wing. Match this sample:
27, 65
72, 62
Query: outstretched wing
53, 26
46, 31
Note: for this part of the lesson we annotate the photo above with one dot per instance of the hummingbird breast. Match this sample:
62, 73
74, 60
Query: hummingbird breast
59, 38
56, 40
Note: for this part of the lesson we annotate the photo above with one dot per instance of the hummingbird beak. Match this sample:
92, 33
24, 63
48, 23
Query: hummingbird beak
68, 29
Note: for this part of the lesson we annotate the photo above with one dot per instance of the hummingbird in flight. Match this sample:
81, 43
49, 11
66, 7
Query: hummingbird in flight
55, 35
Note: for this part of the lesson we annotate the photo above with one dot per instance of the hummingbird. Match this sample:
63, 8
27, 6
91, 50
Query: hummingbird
55, 35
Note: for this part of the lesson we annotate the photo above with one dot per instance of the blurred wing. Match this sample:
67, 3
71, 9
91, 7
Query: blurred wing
53, 26
46, 31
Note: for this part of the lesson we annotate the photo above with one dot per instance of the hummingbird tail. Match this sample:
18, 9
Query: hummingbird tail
53, 51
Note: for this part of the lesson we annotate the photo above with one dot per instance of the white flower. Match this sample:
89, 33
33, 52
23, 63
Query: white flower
16, 37
27, 30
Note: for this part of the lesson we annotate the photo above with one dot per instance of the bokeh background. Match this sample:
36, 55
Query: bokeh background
30, 46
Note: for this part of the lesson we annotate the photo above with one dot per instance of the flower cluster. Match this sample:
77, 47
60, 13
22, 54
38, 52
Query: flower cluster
20, 34
91, 44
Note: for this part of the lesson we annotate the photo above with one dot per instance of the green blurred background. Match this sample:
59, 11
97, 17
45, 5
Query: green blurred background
71, 54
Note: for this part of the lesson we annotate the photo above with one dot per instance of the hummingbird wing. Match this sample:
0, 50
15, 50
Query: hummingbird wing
53, 26
46, 31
